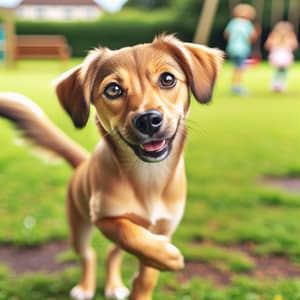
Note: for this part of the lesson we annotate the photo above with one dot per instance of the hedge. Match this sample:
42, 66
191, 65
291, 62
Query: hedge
130, 27
110, 31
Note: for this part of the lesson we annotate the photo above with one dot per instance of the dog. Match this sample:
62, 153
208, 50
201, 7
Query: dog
133, 186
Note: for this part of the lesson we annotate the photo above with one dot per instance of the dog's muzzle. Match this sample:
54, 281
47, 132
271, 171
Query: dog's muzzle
153, 146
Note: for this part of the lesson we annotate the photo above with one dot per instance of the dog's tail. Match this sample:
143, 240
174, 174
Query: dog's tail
35, 126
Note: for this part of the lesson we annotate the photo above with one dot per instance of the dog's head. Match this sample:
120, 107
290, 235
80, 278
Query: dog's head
141, 93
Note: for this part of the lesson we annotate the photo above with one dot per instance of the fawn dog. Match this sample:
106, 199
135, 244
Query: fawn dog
133, 186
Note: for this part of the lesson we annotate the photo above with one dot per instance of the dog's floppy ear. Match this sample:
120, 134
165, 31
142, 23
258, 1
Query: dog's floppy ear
202, 66
200, 63
74, 88
70, 93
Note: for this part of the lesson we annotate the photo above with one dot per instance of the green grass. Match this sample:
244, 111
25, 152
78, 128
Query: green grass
231, 144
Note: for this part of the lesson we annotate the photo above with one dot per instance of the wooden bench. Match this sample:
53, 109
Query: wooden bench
42, 46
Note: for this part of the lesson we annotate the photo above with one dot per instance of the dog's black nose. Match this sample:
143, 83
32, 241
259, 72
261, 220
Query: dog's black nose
148, 122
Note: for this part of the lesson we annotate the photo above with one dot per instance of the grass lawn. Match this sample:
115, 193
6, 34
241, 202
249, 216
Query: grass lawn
232, 225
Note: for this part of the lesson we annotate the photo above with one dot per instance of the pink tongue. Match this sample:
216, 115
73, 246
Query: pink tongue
154, 146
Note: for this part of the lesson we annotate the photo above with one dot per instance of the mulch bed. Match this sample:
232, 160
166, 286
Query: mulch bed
290, 184
197, 269
266, 267
42, 258
34, 259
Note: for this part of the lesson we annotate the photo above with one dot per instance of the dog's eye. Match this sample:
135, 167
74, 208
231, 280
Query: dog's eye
113, 91
167, 80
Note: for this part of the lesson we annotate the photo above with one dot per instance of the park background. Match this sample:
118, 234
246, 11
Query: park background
240, 234
140, 20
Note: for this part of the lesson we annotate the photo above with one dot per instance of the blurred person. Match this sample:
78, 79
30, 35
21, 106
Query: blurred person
2, 40
240, 33
281, 44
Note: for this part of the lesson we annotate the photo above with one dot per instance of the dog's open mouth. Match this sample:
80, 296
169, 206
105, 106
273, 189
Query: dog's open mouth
153, 146
153, 151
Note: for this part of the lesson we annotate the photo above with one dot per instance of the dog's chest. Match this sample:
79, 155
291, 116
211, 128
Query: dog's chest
163, 218
156, 209
150, 182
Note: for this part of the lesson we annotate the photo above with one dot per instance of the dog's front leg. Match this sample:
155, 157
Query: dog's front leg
152, 249
144, 283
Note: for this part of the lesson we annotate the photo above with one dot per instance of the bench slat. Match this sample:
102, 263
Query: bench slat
42, 46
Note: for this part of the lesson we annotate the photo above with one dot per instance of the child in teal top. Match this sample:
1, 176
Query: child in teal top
1, 42
240, 33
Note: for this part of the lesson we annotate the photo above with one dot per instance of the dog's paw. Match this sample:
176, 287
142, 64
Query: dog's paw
119, 293
165, 256
78, 293
174, 260
171, 259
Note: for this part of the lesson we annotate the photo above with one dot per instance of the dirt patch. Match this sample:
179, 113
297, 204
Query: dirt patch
271, 267
275, 267
290, 184
197, 269
44, 259
34, 259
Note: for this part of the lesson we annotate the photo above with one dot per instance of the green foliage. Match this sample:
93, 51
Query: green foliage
114, 31
128, 27
131, 25
149, 4
186, 16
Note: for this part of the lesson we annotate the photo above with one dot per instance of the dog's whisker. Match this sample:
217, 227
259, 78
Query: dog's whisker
193, 123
